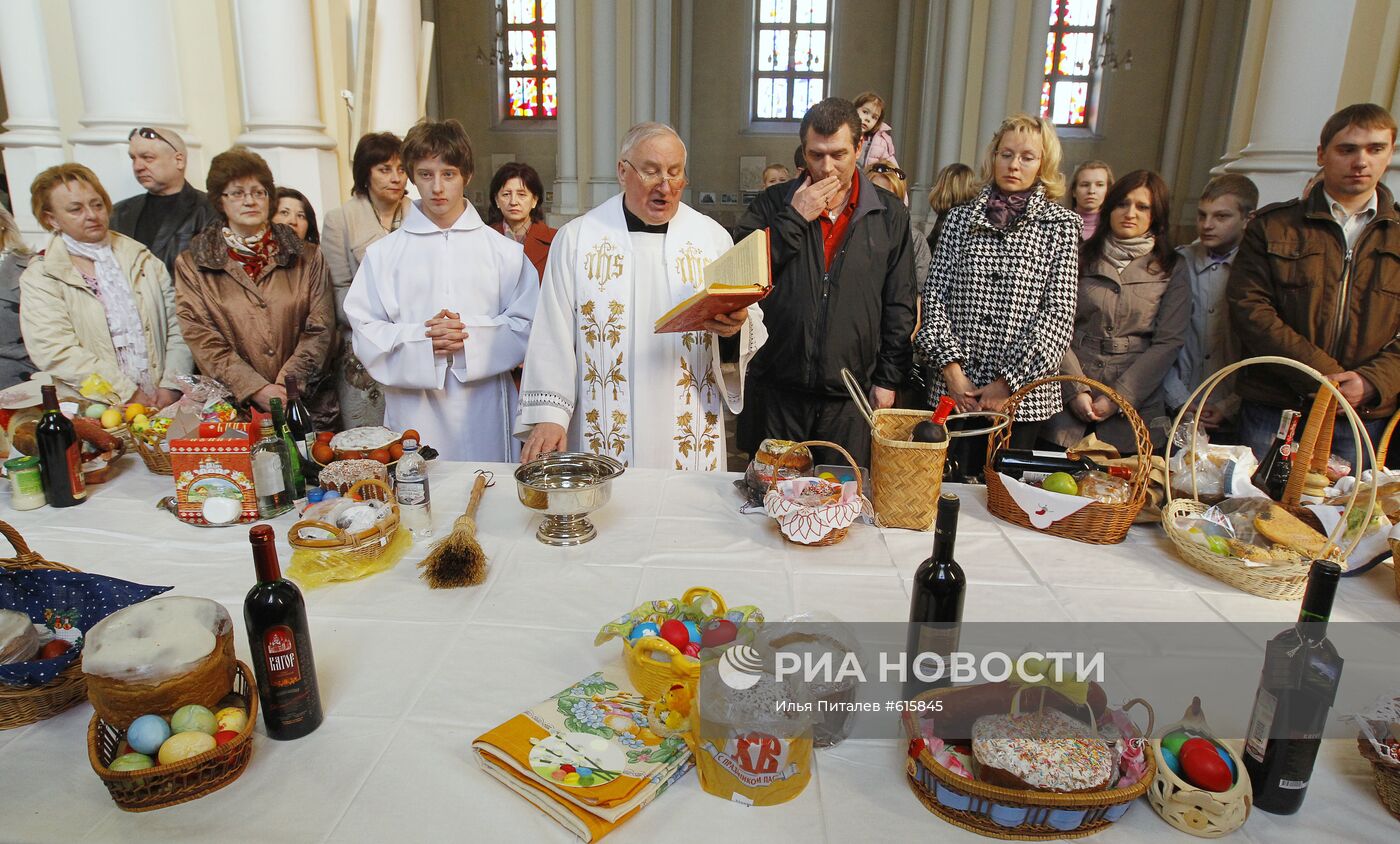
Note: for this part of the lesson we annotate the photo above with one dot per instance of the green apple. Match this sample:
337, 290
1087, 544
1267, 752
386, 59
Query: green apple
1061, 482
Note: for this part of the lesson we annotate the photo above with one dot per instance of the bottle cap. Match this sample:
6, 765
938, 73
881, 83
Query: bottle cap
410, 444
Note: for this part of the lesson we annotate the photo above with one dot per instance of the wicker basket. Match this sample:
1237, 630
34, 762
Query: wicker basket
365, 545
178, 782
1286, 581
905, 477
834, 536
157, 460
1204, 814
1097, 523
1015, 813
25, 706
651, 676
1387, 777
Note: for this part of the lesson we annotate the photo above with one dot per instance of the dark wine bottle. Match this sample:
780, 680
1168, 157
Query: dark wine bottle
935, 611
1274, 470
1034, 466
303, 429
934, 429
60, 454
279, 424
275, 616
1296, 689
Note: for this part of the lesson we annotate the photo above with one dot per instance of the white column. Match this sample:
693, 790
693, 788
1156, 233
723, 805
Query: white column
130, 77
924, 171
661, 65
32, 141
566, 196
1181, 89
996, 68
643, 58
602, 180
687, 68
950, 106
281, 109
1295, 97
1035, 57
394, 103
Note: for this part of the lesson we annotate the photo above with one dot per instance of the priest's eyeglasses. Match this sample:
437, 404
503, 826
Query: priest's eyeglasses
654, 178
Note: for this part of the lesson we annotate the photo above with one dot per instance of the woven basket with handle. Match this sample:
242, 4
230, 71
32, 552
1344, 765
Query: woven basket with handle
1097, 523
653, 676
1285, 581
25, 706
366, 544
836, 535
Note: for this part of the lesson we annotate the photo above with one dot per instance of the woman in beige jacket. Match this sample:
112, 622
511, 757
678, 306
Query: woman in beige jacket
378, 203
97, 302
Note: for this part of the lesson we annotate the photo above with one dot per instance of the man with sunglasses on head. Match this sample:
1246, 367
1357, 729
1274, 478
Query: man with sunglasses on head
171, 211
843, 294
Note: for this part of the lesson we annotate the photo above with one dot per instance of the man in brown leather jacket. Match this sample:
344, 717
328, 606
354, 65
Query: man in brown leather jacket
1317, 279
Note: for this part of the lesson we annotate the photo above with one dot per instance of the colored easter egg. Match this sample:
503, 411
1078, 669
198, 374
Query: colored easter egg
231, 718
718, 632
571, 779
693, 629
641, 631
557, 774
584, 772
225, 736
1204, 768
194, 719
1229, 763
147, 733
1174, 740
567, 768
1194, 742
1169, 759
131, 762
184, 745
674, 632
691, 649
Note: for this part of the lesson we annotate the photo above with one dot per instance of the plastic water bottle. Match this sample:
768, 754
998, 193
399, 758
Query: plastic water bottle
411, 488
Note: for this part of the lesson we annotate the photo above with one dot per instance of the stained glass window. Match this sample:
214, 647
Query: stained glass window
1070, 78
791, 40
531, 59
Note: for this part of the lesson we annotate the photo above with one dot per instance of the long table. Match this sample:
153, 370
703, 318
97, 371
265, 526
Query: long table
410, 676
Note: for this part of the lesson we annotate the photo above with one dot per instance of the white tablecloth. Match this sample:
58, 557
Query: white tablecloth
410, 676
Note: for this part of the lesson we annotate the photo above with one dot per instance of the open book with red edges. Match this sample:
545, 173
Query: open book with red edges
733, 281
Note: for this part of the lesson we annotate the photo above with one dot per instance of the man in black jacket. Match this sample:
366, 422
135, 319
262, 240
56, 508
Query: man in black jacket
843, 294
171, 211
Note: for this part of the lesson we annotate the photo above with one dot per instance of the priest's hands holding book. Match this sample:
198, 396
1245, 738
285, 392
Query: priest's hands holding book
545, 438
727, 325
447, 332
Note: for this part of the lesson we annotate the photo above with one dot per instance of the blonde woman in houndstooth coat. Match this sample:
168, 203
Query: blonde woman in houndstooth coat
999, 302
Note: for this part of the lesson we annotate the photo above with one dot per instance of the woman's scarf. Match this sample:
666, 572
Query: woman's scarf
1004, 208
119, 301
252, 252
1120, 252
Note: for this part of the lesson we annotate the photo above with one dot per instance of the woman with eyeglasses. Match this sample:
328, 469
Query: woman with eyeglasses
378, 204
1132, 316
98, 302
255, 300
998, 307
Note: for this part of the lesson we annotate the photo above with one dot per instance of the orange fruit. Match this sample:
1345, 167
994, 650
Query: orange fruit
396, 451
380, 454
322, 453
324, 436
411, 434
352, 455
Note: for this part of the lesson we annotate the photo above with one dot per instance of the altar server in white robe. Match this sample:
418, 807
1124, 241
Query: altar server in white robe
440, 309
597, 378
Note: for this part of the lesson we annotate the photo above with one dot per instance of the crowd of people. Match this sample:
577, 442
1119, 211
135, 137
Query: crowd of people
502, 339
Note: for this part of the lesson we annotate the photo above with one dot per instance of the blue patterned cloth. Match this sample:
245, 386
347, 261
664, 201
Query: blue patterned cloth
69, 603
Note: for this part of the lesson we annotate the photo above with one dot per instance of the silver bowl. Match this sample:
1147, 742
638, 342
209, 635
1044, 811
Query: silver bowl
566, 487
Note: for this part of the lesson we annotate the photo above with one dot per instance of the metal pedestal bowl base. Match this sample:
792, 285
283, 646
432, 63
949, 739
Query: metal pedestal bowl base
566, 487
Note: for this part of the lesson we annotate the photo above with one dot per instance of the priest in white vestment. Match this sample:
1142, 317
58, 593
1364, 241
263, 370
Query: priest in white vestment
597, 378
440, 309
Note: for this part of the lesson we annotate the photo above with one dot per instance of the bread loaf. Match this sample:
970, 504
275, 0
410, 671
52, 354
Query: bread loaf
19, 641
1042, 751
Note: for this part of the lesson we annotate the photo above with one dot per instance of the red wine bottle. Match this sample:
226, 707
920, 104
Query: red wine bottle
60, 454
275, 616
1034, 466
935, 611
303, 429
1299, 683
934, 429
1277, 465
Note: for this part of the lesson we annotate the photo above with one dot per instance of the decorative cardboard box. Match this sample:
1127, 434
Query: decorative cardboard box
207, 468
